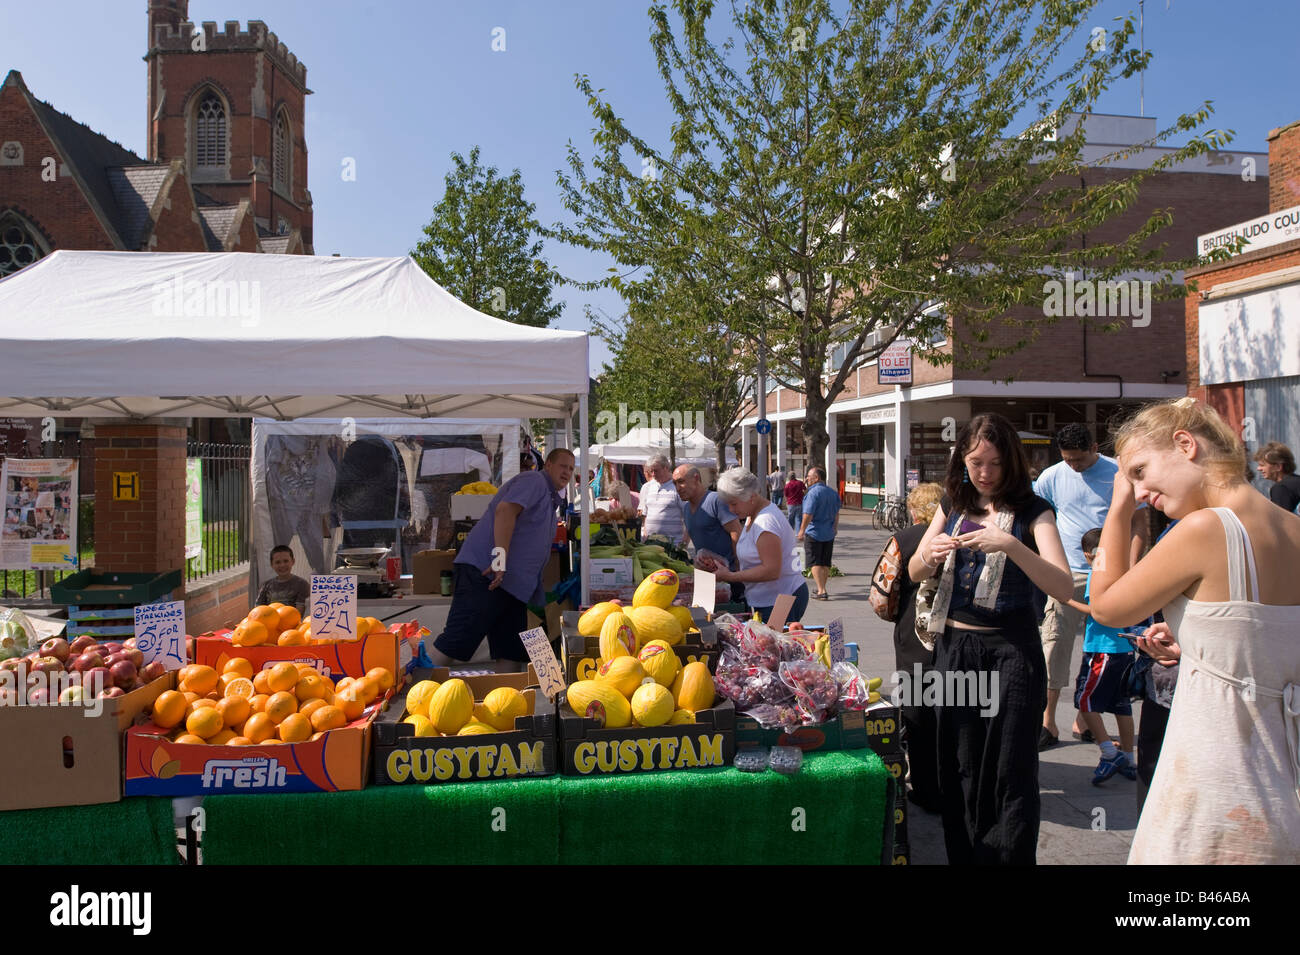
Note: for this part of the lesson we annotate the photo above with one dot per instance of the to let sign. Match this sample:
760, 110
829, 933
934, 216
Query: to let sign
894, 366
334, 606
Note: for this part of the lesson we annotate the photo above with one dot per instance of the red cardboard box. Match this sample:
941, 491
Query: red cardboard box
334, 660
336, 762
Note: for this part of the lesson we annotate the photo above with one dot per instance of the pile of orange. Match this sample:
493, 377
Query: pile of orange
285, 703
270, 625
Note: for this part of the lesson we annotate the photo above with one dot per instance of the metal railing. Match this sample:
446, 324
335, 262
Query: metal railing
227, 507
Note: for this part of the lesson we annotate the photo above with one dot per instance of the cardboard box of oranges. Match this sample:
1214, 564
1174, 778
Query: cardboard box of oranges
274, 634
239, 729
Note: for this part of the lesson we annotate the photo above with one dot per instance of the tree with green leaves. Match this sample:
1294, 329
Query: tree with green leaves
484, 246
849, 181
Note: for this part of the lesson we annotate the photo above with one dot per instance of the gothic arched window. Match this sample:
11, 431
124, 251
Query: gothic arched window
21, 243
210, 136
283, 161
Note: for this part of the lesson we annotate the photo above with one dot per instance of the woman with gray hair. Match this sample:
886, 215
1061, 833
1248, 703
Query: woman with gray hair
765, 550
659, 503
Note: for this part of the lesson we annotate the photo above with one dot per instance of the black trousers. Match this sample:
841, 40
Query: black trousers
988, 765
1151, 736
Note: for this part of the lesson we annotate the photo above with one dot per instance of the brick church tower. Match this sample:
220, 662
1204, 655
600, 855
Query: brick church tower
230, 106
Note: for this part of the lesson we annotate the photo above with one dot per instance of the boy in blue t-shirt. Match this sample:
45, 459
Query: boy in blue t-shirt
1102, 686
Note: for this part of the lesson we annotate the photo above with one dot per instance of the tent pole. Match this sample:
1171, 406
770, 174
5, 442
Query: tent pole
582, 498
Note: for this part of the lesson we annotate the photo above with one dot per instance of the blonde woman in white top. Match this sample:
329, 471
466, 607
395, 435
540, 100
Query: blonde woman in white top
1227, 786
766, 551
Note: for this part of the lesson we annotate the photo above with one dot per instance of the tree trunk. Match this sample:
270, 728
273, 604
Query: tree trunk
814, 427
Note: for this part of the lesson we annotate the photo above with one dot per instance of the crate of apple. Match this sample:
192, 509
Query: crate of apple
116, 667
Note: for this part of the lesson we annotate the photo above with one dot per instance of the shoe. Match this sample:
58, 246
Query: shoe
1109, 767
1084, 737
1046, 739
817, 596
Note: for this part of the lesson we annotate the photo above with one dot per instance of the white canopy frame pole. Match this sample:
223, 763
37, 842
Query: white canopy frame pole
582, 499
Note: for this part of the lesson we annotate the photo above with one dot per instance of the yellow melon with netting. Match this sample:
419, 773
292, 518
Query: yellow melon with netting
451, 706
622, 673
417, 697
618, 636
659, 662
657, 590
600, 702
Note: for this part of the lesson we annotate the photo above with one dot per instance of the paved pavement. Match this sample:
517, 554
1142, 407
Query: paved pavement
1081, 823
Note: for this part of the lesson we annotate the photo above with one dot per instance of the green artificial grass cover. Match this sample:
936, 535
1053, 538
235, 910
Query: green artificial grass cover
135, 831
450, 824
724, 816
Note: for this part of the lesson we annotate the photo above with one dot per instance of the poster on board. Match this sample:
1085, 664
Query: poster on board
40, 514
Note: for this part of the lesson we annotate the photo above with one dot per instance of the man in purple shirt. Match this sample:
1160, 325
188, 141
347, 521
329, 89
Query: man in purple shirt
499, 567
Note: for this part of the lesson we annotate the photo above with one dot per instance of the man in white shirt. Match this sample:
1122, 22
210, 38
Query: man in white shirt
660, 507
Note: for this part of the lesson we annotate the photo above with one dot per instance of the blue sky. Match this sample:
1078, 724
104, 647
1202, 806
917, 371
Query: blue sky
400, 84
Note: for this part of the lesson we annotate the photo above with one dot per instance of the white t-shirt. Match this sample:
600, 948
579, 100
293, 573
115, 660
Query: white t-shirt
663, 511
769, 520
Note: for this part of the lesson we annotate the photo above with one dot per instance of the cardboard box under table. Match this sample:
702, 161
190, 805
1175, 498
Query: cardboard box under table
63, 756
582, 654
527, 750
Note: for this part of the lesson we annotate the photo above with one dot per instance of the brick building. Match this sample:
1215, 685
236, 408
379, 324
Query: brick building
226, 159
1068, 373
1243, 325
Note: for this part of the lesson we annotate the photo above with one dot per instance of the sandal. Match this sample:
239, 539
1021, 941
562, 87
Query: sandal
1084, 737
1046, 739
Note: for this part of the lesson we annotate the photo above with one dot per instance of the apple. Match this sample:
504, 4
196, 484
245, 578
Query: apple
8, 696
135, 656
88, 661
112, 646
124, 672
39, 697
153, 671
128, 643
47, 665
72, 694
112, 658
111, 693
12, 664
56, 647
97, 678
81, 644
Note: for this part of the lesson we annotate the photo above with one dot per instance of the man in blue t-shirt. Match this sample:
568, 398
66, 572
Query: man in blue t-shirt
1079, 488
820, 522
710, 524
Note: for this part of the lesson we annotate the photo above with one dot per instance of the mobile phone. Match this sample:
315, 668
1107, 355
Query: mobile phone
969, 527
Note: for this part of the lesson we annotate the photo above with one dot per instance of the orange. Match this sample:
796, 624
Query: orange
368, 688
258, 703
223, 738
200, 680
382, 677
328, 718
304, 668
169, 709
190, 738
295, 728
190, 696
240, 686
201, 703
282, 676
205, 723
310, 687
316, 736
240, 667
183, 672
289, 617
260, 682
363, 626
311, 706
349, 701
240, 741
259, 728
214, 696
253, 634
291, 638
266, 616
234, 710
275, 606
344, 683
376, 626
281, 705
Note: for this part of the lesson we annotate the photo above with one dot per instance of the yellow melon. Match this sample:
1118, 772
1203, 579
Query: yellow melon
623, 673
589, 623
475, 728
500, 707
655, 623
618, 637
652, 705
683, 617
659, 662
657, 590
600, 702
451, 706
417, 697
693, 689
680, 717
423, 725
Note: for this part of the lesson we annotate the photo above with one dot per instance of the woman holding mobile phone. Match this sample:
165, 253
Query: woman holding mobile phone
992, 541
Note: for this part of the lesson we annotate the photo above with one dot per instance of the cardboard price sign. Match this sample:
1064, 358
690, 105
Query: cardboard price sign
334, 606
706, 590
160, 633
835, 631
549, 673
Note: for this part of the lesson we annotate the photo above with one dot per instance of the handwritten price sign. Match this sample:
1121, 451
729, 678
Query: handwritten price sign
835, 631
334, 606
549, 674
160, 633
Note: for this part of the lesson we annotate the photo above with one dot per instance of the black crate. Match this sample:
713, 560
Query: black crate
589, 749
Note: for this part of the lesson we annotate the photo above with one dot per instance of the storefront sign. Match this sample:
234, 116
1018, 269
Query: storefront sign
193, 507
880, 415
160, 633
40, 514
1272, 229
334, 606
894, 366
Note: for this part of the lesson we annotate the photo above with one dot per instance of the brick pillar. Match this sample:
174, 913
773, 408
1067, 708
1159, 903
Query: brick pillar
1284, 167
146, 535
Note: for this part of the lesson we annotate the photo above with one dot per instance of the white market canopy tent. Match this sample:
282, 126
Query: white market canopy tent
640, 444
162, 334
